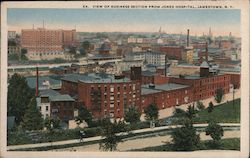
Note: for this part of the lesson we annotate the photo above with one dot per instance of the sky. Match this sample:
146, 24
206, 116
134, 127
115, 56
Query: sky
128, 20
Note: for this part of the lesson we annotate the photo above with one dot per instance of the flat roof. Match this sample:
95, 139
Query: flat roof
145, 89
94, 78
52, 81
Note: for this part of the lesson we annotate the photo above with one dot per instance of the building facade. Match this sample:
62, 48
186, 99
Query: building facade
45, 44
173, 52
166, 95
149, 57
104, 96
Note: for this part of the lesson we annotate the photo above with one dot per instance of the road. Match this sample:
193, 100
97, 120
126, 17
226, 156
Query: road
145, 142
14, 147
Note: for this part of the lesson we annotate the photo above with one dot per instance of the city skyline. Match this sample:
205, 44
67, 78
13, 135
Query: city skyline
221, 22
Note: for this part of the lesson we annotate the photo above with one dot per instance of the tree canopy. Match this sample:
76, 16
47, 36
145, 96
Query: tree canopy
32, 119
52, 123
218, 95
132, 115
185, 138
210, 107
151, 112
109, 133
84, 114
19, 97
215, 131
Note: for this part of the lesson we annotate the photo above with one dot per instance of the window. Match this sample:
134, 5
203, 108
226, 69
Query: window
40, 108
105, 88
118, 88
47, 108
118, 96
111, 89
124, 87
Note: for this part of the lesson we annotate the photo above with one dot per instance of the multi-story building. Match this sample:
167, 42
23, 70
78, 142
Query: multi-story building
150, 57
11, 34
205, 84
45, 44
173, 52
53, 104
166, 95
104, 95
14, 49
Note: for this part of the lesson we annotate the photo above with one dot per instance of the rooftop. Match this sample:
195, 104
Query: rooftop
55, 96
145, 89
94, 78
52, 81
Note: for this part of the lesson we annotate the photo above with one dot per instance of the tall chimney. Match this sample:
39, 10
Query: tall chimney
206, 52
37, 84
166, 65
188, 38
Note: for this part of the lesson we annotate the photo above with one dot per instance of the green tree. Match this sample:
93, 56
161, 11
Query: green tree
179, 112
52, 123
23, 54
210, 107
151, 112
78, 120
200, 105
215, 131
85, 114
132, 115
32, 119
191, 112
185, 138
218, 95
19, 97
109, 133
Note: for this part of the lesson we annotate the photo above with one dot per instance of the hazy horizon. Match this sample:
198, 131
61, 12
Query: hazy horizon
171, 21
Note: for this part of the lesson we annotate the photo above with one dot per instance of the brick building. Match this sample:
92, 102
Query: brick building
173, 52
166, 95
205, 84
44, 43
103, 95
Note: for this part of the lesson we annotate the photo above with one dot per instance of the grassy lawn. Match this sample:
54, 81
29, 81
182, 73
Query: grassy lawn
226, 144
224, 113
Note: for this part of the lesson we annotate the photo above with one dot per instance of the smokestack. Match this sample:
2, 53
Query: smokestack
206, 52
37, 85
166, 65
188, 38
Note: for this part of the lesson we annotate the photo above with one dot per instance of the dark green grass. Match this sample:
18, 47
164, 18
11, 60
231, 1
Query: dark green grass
226, 144
224, 113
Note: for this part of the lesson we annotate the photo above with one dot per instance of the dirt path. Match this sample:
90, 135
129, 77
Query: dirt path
146, 142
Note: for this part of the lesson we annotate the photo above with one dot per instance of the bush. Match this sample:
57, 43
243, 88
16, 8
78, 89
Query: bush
200, 105
210, 107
